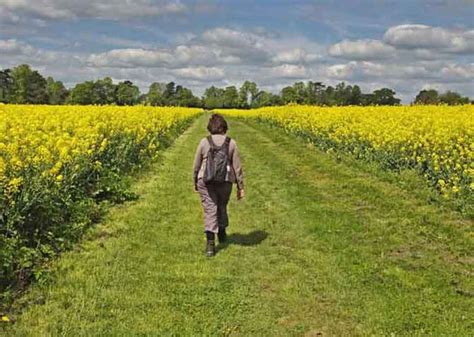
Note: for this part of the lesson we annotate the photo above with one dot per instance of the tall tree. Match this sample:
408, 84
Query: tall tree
314, 93
300, 92
355, 96
28, 86
288, 95
155, 94
127, 93
57, 92
231, 97
265, 98
185, 97
105, 91
385, 96
427, 97
342, 94
169, 93
367, 99
453, 98
83, 94
328, 97
6, 85
213, 98
247, 93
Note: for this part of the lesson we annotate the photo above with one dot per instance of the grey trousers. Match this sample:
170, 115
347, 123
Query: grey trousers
214, 200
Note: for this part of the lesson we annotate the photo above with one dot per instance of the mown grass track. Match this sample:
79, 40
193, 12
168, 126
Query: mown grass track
318, 246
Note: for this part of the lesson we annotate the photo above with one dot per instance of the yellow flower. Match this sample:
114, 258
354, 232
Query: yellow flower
15, 182
56, 140
436, 140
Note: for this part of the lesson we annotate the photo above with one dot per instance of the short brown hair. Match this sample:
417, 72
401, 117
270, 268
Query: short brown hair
217, 124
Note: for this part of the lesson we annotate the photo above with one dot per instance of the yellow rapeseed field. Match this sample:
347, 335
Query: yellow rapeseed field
57, 163
437, 140
46, 138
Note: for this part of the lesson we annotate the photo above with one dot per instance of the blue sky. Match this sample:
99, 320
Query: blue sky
407, 45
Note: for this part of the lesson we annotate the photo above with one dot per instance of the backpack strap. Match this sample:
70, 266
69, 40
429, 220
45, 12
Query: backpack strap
211, 142
227, 143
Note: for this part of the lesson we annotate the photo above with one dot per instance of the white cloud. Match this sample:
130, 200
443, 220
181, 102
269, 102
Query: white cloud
201, 73
289, 71
427, 37
179, 56
219, 46
231, 38
407, 53
458, 72
241, 45
125, 43
407, 43
103, 9
340, 71
364, 69
198, 54
14, 52
131, 57
296, 55
361, 50
14, 47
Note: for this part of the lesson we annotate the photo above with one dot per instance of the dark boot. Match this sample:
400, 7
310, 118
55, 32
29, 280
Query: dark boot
222, 235
210, 248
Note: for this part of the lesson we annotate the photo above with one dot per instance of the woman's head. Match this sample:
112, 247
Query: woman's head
217, 124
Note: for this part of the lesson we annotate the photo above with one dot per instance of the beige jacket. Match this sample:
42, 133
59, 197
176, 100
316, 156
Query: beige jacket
235, 174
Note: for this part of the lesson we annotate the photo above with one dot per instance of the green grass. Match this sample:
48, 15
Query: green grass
319, 245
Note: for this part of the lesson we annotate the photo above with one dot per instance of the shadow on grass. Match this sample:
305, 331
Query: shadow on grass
249, 239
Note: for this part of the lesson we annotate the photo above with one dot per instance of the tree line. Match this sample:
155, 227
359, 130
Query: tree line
23, 85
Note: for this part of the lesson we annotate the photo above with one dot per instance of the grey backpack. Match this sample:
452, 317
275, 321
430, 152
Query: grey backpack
217, 161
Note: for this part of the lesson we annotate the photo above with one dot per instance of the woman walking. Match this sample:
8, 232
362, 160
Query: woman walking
216, 167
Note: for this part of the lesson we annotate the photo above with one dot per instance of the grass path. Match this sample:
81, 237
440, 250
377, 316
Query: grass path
317, 247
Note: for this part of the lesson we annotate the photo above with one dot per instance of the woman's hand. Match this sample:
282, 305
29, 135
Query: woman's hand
240, 194
196, 188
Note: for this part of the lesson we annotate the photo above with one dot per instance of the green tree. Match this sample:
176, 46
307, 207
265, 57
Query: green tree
185, 97
288, 95
247, 93
342, 94
213, 98
57, 92
83, 94
28, 86
6, 85
265, 98
105, 91
355, 96
127, 93
329, 98
169, 94
453, 98
384, 96
155, 94
231, 97
300, 92
427, 97
315, 92
367, 99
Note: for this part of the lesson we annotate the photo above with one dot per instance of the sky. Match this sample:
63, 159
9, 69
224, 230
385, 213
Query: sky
407, 45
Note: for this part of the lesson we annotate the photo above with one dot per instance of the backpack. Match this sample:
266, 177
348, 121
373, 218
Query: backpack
217, 162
